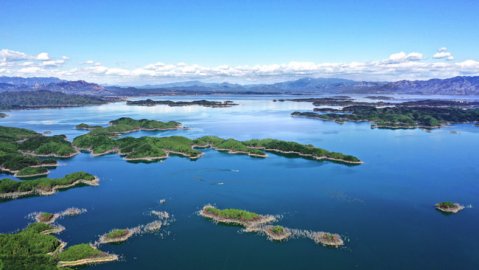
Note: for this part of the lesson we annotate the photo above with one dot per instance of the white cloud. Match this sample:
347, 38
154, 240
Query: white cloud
43, 56
403, 57
397, 66
443, 53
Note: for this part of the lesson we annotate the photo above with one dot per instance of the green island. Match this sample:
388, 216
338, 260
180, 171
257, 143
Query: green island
11, 189
449, 207
3, 115
398, 117
204, 103
100, 141
127, 125
235, 216
116, 235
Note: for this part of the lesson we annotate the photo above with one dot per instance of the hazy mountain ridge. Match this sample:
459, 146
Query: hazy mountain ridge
451, 86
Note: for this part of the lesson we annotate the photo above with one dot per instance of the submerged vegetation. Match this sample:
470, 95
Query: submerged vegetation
11, 189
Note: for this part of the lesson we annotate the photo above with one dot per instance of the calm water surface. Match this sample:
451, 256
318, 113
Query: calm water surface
383, 207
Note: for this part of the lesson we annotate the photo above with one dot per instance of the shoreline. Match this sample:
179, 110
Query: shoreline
102, 259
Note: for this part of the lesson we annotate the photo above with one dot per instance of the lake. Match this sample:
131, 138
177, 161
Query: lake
384, 208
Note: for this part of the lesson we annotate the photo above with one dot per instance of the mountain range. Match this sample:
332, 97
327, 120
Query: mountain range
452, 86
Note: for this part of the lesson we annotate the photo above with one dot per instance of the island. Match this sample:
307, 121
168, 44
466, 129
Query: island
3, 115
328, 239
277, 232
449, 207
84, 254
203, 103
11, 189
84, 126
398, 117
235, 216
46, 217
101, 141
117, 235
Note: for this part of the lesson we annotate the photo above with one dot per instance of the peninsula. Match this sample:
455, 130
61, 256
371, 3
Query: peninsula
11, 189
203, 103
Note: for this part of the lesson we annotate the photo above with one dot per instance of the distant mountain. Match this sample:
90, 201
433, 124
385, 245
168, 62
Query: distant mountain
51, 84
450, 86
32, 81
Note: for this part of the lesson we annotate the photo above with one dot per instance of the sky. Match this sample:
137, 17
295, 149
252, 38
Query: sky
148, 42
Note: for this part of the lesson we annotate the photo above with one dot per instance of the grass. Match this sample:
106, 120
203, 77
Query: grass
231, 213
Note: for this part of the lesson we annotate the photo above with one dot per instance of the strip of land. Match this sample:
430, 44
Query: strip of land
203, 103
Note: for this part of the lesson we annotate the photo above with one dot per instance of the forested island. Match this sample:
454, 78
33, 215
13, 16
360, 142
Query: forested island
398, 116
116, 236
235, 216
14, 100
426, 114
203, 103
11, 189
101, 141
35, 248
127, 125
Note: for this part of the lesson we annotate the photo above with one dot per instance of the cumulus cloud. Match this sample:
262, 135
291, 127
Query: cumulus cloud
397, 66
443, 53
404, 57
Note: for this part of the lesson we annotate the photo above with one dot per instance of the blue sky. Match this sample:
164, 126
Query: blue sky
123, 36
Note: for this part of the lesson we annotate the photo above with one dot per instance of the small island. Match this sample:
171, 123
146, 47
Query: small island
84, 126
45, 217
117, 235
10, 189
3, 115
84, 254
204, 103
328, 239
277, 232
449, 207
235, 216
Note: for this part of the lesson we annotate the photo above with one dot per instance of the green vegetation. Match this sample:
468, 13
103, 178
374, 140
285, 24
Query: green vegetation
277, 229
230, 213
31, 171
126, 125
79, 252
3, 115
45, 99
29, 248
116, 233
42, 185
400, 116
48, 146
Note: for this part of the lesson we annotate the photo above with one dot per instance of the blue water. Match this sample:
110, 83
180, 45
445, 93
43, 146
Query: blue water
385, 207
